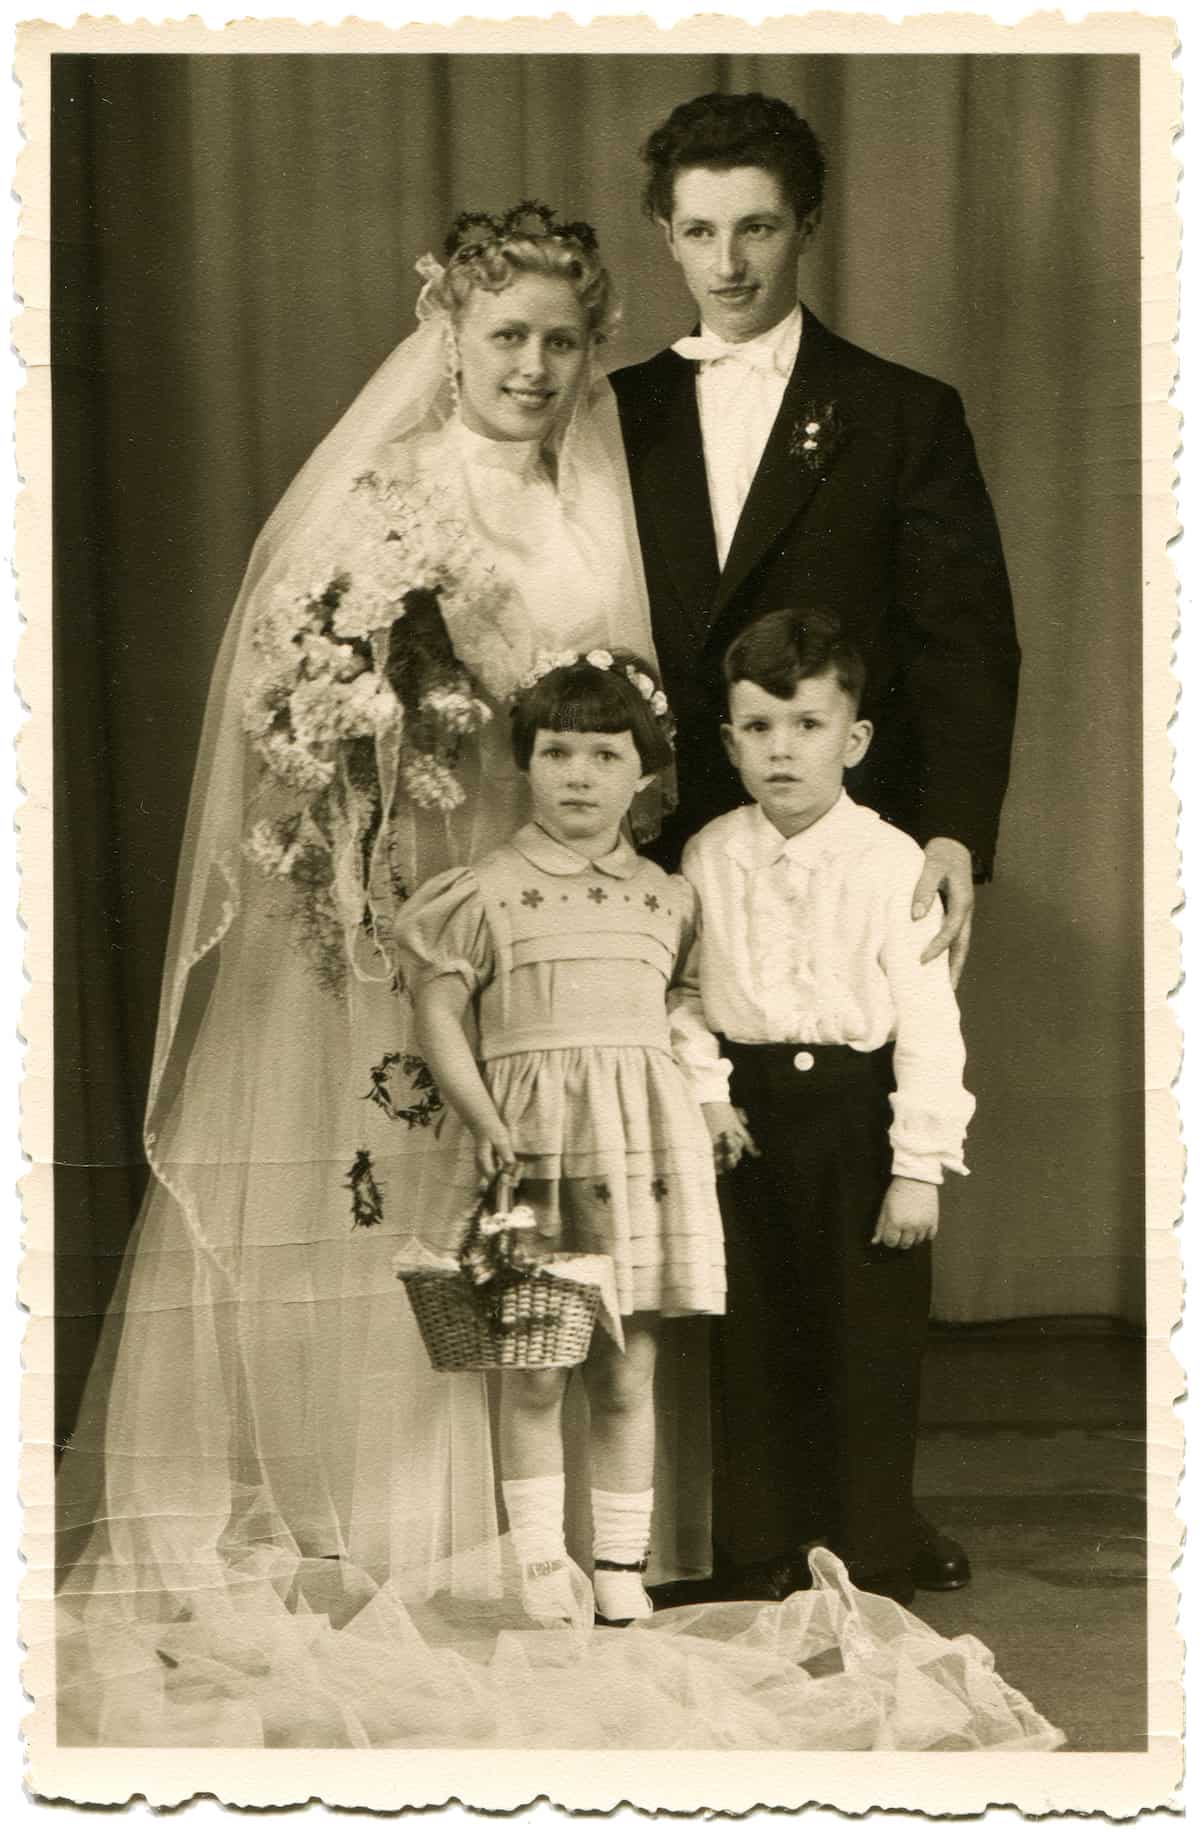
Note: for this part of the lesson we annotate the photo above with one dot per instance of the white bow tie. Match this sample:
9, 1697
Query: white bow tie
709, 349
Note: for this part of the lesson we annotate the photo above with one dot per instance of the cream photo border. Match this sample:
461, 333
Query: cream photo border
1115, 1784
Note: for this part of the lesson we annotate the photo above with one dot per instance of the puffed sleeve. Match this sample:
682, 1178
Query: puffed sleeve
443, 929
693, 1042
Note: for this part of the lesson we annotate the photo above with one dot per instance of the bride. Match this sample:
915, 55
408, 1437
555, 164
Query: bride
279, 1525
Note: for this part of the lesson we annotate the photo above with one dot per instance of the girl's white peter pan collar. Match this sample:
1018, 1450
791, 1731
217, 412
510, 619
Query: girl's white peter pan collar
549, 855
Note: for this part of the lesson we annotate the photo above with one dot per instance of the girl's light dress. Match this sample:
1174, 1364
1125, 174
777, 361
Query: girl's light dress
570, 961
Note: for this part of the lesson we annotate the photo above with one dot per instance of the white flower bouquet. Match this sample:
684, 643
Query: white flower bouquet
359, 699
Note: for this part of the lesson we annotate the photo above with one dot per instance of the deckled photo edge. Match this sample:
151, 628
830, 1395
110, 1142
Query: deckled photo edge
1116, 1784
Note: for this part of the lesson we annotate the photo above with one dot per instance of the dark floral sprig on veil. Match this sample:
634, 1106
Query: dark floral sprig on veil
428, 1110
366, 1196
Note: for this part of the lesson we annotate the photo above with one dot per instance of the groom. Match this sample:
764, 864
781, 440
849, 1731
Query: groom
775, 465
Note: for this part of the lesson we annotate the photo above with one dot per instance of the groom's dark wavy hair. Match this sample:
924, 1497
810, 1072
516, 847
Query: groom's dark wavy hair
723, 131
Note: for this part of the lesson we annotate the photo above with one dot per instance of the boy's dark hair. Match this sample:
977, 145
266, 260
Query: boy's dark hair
723, 131
784, 647
578, 697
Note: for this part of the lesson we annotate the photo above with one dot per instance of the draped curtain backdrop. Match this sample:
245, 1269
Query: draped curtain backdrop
234, 239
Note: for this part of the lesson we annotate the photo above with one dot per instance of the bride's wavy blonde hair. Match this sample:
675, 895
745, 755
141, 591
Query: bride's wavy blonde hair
490, 252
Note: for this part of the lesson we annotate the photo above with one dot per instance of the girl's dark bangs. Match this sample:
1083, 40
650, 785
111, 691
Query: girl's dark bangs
589, 705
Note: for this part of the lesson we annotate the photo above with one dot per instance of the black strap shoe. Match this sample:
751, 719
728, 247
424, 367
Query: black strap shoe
620, 1566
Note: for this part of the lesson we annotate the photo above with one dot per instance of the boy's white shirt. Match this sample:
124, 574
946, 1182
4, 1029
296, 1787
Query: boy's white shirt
810, 940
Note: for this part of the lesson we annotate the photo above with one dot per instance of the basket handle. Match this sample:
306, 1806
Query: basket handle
504, 1190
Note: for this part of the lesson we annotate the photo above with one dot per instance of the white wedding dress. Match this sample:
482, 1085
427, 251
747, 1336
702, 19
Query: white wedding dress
277, 1525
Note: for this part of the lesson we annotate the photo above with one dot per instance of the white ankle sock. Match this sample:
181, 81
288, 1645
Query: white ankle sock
621, 1532
535, 1519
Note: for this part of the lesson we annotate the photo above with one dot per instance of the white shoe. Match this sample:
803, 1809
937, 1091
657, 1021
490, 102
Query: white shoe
621, 1596
547, 1594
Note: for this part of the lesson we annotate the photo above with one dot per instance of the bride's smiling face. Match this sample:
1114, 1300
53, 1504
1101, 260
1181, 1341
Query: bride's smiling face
520, 352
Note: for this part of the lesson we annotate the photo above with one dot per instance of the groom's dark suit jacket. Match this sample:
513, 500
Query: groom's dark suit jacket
889, 525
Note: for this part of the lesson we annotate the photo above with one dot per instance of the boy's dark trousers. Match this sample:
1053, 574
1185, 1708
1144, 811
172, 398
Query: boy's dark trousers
816, 1374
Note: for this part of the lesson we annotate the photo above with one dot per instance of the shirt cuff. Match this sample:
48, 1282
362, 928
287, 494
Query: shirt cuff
709, 1083
927, 1138
925, 1167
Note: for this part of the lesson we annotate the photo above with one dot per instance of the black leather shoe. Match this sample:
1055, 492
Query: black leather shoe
762, 1579
685, 1592
940, 1564
768, 1579
896, 1582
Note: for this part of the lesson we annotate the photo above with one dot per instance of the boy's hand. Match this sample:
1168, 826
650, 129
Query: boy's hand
909, 1214
730, 1135
494, 1153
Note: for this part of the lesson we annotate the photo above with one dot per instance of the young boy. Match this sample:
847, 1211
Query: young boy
845, 1106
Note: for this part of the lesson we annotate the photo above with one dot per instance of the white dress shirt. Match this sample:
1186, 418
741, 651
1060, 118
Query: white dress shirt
738, 392
811, 941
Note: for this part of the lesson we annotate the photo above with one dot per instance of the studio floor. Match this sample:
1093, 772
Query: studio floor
1033, 1455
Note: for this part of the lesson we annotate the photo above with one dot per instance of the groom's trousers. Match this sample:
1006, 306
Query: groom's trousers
816, 1372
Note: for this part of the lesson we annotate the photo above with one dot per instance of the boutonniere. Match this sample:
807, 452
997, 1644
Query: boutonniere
817, 432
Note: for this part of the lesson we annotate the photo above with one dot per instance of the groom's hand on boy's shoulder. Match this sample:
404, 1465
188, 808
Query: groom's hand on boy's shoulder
730, 1135
950, 870
908, 1215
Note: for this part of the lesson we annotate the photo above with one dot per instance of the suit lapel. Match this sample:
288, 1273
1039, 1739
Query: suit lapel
677, 489
784, 483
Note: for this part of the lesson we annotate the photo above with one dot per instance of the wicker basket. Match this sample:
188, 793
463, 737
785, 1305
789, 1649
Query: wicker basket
545, 1322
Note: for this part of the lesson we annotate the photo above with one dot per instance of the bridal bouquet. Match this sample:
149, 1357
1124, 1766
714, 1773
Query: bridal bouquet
360, 698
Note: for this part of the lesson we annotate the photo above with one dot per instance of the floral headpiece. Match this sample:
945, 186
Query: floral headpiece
475, 233
548, 660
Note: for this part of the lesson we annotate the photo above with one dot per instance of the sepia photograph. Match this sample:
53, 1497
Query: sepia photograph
591, 1181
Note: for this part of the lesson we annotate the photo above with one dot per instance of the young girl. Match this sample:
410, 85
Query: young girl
560, 947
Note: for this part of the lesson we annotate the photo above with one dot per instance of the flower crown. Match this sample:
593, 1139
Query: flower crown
473, 232
548, 660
